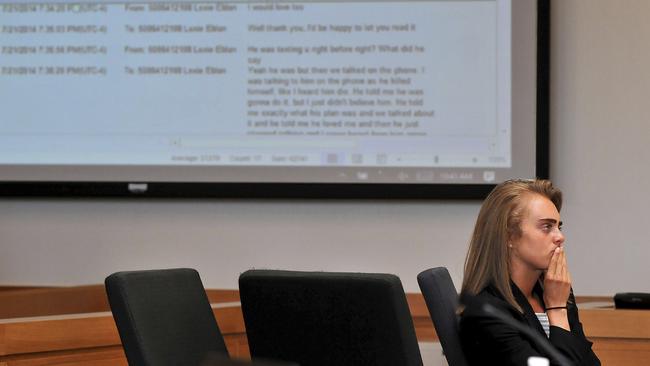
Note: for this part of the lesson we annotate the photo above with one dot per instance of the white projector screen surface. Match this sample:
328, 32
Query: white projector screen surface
421, 92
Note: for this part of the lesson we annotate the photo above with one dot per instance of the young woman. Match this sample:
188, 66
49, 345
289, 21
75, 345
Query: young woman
516, 262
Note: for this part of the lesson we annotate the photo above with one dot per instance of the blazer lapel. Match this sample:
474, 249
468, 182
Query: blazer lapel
529, 313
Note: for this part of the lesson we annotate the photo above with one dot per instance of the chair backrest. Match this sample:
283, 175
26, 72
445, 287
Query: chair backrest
325, 318
163, 317
442, 301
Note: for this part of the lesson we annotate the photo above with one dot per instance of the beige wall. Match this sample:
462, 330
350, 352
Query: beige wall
600, 98
601, 139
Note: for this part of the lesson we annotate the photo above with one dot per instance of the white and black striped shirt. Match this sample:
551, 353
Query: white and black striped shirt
543, 319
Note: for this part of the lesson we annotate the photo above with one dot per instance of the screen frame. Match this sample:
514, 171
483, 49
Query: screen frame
315, 190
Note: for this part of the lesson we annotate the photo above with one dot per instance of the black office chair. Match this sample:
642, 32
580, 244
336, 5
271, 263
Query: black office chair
442, 301
163, 317
324, 318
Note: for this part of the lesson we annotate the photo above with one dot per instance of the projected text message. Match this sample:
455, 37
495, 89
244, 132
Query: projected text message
323, 82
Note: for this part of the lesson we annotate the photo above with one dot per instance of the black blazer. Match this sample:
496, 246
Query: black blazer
487, 341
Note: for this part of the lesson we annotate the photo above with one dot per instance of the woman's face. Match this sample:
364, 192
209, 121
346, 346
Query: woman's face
540, 234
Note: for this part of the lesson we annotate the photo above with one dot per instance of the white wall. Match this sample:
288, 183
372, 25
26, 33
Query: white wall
81, 241
600, 96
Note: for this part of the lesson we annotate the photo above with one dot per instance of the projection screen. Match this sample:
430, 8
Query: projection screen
422, 98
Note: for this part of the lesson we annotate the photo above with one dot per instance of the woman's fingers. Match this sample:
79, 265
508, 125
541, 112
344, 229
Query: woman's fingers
561, 273
557, 281
552, 266
565, 275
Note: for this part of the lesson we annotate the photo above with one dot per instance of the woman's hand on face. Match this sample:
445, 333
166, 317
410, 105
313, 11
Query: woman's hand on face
557, 280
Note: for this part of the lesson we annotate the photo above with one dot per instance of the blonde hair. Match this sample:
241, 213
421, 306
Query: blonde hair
498, 222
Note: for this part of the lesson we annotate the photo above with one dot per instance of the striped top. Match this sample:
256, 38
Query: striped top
543, 319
